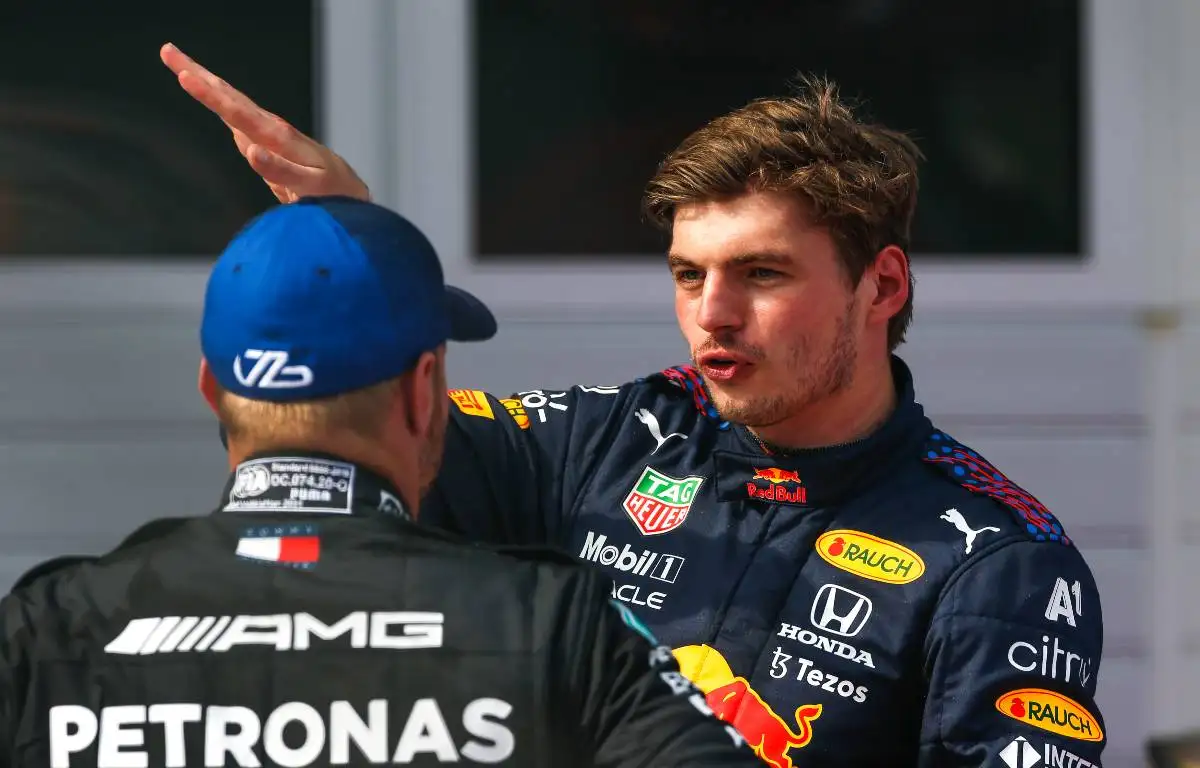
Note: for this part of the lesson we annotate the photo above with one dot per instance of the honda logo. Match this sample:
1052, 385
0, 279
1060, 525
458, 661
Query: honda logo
840, 610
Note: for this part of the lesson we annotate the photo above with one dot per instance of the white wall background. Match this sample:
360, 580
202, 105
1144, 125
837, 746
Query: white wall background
1081, 383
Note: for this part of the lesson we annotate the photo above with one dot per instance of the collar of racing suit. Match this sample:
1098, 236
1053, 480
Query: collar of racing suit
309, 481
819, 477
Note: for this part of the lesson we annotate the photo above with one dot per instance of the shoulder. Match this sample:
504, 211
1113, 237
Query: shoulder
964, 480
482, 556
56, 566
553, 569
679, 388
541, 556
533, 407
1009, 557
35, 597
551, 580
548, 563
54, 579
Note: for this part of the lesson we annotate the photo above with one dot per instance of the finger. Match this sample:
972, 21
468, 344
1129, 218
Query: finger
179, 63
282, 193
242, 141
175, 59
237, 111
255, 124
277, 170
183, 65
270, 164
231, 105
240, 112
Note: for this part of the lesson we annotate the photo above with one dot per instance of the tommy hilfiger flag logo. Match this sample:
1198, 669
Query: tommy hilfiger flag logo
297, 546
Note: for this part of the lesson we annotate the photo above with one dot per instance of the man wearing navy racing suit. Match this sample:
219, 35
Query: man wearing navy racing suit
849, 585
891, 601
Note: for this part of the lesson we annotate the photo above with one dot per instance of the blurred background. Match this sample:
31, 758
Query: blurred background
1055, 248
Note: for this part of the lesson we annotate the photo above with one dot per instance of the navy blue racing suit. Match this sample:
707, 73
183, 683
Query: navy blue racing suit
892, 601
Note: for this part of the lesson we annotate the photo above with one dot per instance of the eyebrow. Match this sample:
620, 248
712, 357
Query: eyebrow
754, 257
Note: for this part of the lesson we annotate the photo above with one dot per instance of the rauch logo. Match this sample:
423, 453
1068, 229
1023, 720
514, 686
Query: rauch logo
1051, 712
870, 557
659, 503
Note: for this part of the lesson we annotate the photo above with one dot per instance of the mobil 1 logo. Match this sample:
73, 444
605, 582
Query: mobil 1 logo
638, 562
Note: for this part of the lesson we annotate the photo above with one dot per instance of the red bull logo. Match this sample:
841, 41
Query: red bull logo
779, 489
733, 700
775, 475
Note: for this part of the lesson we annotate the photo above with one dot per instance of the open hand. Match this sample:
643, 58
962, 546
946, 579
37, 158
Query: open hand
293, 165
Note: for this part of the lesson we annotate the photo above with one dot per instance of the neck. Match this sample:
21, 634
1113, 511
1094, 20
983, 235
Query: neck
851, 414
397, 467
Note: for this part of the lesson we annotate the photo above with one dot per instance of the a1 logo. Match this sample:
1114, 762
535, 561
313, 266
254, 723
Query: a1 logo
1066, 602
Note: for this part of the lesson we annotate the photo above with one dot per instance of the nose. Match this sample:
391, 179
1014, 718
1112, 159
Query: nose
721, 306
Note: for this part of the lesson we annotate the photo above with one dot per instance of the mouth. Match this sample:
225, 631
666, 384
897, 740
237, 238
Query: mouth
721, 365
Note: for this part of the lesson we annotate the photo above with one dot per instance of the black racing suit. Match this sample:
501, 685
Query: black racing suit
892, 601
308, 622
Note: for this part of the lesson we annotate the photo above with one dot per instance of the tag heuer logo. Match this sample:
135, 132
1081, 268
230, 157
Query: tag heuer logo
658, 503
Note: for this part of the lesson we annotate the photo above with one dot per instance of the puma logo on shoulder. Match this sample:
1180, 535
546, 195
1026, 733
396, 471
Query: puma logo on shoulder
955, 518
651, 422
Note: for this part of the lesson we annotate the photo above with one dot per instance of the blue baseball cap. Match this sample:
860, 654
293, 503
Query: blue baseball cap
327, 295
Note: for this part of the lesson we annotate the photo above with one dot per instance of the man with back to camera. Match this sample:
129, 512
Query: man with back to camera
308, 621
849, 585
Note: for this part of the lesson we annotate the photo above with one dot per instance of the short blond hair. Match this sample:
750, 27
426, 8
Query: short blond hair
271, 424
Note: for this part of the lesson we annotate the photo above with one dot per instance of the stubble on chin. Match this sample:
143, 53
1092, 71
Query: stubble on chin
801, 384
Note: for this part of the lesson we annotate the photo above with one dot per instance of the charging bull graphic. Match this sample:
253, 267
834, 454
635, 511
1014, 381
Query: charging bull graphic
733, 700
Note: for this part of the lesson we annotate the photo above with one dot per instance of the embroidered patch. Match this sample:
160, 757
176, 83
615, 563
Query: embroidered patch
976, 474
688, 378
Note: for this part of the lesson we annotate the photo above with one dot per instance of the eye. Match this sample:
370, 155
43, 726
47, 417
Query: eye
687, 275
764, 273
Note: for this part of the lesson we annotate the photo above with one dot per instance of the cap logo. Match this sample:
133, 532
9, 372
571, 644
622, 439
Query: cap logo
271, 370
